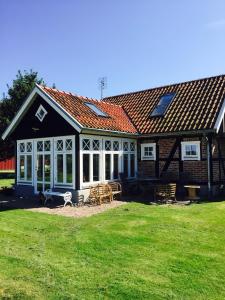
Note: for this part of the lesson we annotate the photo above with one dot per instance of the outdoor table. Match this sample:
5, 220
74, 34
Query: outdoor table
192, 189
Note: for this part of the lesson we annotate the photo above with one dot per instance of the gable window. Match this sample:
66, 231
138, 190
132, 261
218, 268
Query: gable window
162, 106
190, 150
96, 110
41, 113
148, 151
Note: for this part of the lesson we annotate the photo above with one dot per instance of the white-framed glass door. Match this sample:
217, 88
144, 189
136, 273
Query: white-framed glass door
43, 177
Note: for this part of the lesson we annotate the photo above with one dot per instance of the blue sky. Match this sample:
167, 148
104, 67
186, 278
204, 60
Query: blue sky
136, 44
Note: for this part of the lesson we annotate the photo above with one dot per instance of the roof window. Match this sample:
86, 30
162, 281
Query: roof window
96, 110
162, 106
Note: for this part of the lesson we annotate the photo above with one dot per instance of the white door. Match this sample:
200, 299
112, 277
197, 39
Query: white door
43, 158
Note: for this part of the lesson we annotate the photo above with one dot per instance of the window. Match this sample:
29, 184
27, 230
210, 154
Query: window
64, 160
162, 106
116, 146
148, 151
115, 166
25, 161
86, 167
108, 145
96, 161
41, 113
107, 166
125, 165
103, 158
190, 150
96, 110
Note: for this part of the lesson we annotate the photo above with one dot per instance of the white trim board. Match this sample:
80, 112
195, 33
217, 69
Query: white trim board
220, 117
27, 104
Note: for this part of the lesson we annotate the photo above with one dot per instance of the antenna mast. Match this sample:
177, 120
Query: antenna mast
102, 83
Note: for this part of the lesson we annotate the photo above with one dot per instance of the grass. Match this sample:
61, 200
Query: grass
132, 252
6, 183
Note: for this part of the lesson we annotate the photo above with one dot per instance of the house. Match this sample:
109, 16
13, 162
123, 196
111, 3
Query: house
7, 164
68, 142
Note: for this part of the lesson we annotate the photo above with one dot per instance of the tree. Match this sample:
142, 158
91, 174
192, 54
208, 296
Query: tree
10, 104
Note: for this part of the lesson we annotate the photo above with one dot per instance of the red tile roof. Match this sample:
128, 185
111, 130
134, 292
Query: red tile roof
75, 106
195, 106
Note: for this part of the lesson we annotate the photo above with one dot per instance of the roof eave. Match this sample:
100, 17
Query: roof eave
28, 102
87, 130
178, 133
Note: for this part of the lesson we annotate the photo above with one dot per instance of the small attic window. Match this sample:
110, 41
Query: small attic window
162, 106
96, 110
41, 113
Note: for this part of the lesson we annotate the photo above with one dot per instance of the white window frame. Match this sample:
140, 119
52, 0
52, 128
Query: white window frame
53, 155
64, 152
143, 157
102, 153
190, 157
24, 180
41, 118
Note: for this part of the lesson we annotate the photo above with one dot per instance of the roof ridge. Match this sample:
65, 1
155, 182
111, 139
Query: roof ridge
68, 93
81, 97
166, 85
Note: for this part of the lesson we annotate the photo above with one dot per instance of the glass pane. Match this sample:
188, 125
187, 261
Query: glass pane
29, 147
22, 166
98, 111
60, 168
193, 150
107, 166
69, 144
47, 145
132, 165
22, 147
69, 168
47, 186
108, 145
115, 145
125, 165
132, 146
40, 146
86, 167
125, 146
148, 151
86, 144
115, 166
47, 168
95, 167
96, 145
40, 187
29, 167
59, 145
40, 167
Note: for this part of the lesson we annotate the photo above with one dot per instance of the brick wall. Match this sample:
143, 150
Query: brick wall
197, 170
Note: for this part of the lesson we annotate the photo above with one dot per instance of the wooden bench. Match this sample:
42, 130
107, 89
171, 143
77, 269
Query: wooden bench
67, 196
100, 193
116, 189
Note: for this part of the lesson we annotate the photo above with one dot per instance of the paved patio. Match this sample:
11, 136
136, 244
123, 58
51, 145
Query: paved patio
57, 208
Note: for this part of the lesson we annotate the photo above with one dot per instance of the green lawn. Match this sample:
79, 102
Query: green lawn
6, 182
131, 252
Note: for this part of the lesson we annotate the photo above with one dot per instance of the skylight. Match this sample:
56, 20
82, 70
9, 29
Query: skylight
162, 106
96, 110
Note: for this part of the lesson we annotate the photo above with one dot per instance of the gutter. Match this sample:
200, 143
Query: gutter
177, 133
